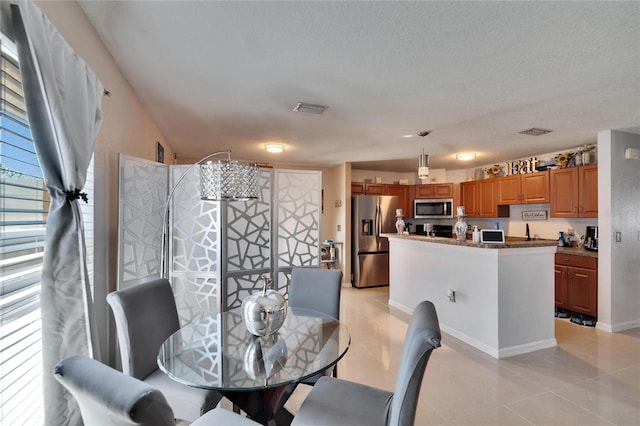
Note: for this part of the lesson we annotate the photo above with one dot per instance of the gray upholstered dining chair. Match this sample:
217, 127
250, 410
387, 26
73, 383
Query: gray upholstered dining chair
108, 397
145, 316
334, 401
319, 290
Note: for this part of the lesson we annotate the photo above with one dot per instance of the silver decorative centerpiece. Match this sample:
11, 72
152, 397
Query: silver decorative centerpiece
264, 357
264, 312
460, 227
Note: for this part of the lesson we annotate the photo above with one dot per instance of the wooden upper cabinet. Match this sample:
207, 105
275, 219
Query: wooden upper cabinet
469, 197
442, 190
487, 198
509, 189
588, 186
574, 192
434, 190
535, 188
424, 191
530, 188
376, 189
357, 188
405, 202
480, 199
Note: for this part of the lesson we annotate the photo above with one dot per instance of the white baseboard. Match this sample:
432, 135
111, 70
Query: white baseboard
498, 353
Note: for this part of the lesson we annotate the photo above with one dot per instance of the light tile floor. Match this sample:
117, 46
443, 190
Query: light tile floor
590, 378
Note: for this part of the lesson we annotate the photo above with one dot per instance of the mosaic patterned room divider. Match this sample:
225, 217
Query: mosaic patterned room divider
142, 193
198, 245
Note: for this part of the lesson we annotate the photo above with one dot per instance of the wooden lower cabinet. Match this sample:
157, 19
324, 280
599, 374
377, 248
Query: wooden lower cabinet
576, 284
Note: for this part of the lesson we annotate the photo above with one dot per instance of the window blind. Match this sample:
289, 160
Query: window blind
23, 212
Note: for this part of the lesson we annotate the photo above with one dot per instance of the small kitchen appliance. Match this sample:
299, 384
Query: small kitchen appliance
591, 238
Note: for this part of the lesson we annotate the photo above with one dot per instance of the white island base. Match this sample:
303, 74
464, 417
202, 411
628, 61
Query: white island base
504, 297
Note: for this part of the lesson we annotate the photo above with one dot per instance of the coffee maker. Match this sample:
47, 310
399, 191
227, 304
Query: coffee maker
591, 238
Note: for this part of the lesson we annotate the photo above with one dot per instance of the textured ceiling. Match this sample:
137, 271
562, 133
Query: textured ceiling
226, 75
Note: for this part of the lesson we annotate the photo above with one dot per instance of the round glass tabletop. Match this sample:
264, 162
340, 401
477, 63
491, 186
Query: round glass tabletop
219, 353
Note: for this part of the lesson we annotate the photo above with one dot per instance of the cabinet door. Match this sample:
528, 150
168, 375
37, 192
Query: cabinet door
561, 286
535, 188
424, 191
404, 200
509, 190
564, 192
468, 197
582, 291
376, 189
357, 188
442, 190
588, 184
487, 205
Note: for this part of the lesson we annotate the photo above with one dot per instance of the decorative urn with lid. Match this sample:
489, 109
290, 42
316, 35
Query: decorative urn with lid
264, 312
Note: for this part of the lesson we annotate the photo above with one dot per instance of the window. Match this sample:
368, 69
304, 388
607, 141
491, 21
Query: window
24, 205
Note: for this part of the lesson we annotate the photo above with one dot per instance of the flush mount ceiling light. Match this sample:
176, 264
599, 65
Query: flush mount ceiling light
275, 148
466, 156
534, 131
310, 108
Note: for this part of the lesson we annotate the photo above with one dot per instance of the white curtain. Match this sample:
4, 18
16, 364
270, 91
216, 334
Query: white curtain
63, 98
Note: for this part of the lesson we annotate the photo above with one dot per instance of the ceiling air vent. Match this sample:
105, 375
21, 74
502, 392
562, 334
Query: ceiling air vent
534, 131
310, 108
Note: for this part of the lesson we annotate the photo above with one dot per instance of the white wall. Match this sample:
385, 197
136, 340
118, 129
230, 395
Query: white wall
127, 128
619, 207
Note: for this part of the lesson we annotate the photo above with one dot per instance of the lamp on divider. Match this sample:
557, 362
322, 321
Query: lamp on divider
220, 180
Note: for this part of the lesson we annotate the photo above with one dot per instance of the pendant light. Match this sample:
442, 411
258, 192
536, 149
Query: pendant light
423, 165
423, 160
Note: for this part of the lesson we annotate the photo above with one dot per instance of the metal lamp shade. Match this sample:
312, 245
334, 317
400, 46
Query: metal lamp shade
228, 180
423, 166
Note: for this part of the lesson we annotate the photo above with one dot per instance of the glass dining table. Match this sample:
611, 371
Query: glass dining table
257, 374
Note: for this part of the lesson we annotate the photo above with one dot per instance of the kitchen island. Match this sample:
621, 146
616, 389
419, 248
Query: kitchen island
498, 298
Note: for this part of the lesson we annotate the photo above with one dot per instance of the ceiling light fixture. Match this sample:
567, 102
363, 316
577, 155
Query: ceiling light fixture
535, 131
275, 148
466, 156
310, 108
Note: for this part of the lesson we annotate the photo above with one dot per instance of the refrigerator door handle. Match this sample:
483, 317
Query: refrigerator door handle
378, 224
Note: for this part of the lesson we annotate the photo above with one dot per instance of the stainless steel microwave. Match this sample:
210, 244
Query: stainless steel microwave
433, 209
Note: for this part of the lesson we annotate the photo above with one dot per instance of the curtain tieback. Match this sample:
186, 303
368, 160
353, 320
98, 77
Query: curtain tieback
74, 195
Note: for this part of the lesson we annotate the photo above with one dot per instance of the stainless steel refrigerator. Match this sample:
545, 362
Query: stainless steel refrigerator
371, 216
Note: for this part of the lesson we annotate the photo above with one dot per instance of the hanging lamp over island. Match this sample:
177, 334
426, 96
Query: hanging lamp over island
423, 159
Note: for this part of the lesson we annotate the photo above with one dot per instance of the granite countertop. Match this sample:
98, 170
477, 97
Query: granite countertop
576, 251
511, 242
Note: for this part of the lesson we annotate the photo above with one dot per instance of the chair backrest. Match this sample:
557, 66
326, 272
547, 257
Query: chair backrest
423, 336
145, 315
316, 289
109, 397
